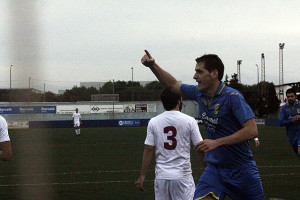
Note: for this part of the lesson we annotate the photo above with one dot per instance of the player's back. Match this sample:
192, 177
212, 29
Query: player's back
172, 134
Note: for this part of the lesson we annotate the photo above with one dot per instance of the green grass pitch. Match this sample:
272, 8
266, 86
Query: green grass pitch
103, 163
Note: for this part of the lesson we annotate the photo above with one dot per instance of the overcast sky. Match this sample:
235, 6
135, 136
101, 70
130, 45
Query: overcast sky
61, 43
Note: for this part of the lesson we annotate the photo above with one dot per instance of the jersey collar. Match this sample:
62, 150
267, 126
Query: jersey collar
219, 90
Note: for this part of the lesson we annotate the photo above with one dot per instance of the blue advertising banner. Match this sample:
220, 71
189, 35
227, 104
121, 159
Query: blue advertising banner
8, 110
48, 109
129, 122
27, 109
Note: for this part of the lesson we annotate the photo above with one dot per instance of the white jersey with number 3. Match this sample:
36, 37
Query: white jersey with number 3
171, 133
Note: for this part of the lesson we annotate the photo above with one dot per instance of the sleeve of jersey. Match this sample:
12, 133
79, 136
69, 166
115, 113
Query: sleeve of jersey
282, 120
195, 132
4, 132
189, 91
240, 107
150, 135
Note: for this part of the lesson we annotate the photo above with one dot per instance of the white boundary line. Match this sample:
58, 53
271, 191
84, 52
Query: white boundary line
105, 182
116, 171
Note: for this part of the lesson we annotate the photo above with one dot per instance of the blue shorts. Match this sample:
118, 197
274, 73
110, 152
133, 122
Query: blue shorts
238, 183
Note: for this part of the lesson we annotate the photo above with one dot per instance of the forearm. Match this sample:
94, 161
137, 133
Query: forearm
6, 152
285, 122
166, 78
247, 133
201, 156
147, 157
3, 156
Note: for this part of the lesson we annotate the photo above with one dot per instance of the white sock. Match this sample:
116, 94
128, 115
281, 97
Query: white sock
78, 131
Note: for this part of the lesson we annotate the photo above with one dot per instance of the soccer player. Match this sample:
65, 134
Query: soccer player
6, 152
77, 121
290, 117
170, 135
230, 124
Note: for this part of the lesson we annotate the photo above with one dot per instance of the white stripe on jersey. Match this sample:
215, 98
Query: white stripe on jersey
171, 133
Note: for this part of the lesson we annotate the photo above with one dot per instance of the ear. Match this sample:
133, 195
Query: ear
215, 74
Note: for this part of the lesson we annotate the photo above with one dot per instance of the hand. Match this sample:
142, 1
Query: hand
147, 59
139, 183
206, 145
257, 143
296, 117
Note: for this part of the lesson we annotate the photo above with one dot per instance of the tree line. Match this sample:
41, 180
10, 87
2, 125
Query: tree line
261, 97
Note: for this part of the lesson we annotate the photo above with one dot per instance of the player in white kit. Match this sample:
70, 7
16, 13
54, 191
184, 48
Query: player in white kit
170, 134
5, 152
77, 121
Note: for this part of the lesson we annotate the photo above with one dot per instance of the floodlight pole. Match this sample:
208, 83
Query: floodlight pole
257, 79
10, 81
113, 111
239, 62
44, 92
131, 83
257, 74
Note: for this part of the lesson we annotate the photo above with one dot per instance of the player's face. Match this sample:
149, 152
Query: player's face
291, 98
203, 77
76, 110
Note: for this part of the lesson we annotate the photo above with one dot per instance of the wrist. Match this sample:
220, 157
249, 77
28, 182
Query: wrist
220, 142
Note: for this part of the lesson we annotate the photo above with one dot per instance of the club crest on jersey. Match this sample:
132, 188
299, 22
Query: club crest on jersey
205, 102
216, 108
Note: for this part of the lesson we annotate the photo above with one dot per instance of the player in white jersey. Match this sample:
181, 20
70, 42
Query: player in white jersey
5, 152
77, 121
170, 134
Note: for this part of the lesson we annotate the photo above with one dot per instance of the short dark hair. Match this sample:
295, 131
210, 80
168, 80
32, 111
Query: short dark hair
169, 99
291, 90
212, 62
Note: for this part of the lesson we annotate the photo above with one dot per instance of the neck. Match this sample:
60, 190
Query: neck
213, 89
176, 108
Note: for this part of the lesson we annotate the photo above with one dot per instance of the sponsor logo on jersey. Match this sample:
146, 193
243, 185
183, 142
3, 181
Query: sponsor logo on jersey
216, 108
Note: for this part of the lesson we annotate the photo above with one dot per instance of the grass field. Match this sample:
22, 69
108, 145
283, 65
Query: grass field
103, 163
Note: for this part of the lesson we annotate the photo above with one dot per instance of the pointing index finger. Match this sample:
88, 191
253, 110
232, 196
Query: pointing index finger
148, 54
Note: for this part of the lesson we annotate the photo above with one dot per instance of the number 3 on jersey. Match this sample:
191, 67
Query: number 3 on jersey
171, 138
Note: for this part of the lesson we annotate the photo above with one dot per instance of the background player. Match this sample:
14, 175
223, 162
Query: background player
230, 124
290, 118
6, 152
77, 121
170, 134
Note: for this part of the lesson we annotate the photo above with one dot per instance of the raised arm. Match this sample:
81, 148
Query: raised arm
163, 76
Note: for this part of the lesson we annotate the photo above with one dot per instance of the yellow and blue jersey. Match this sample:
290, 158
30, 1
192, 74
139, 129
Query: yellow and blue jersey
287, 113
222, 116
